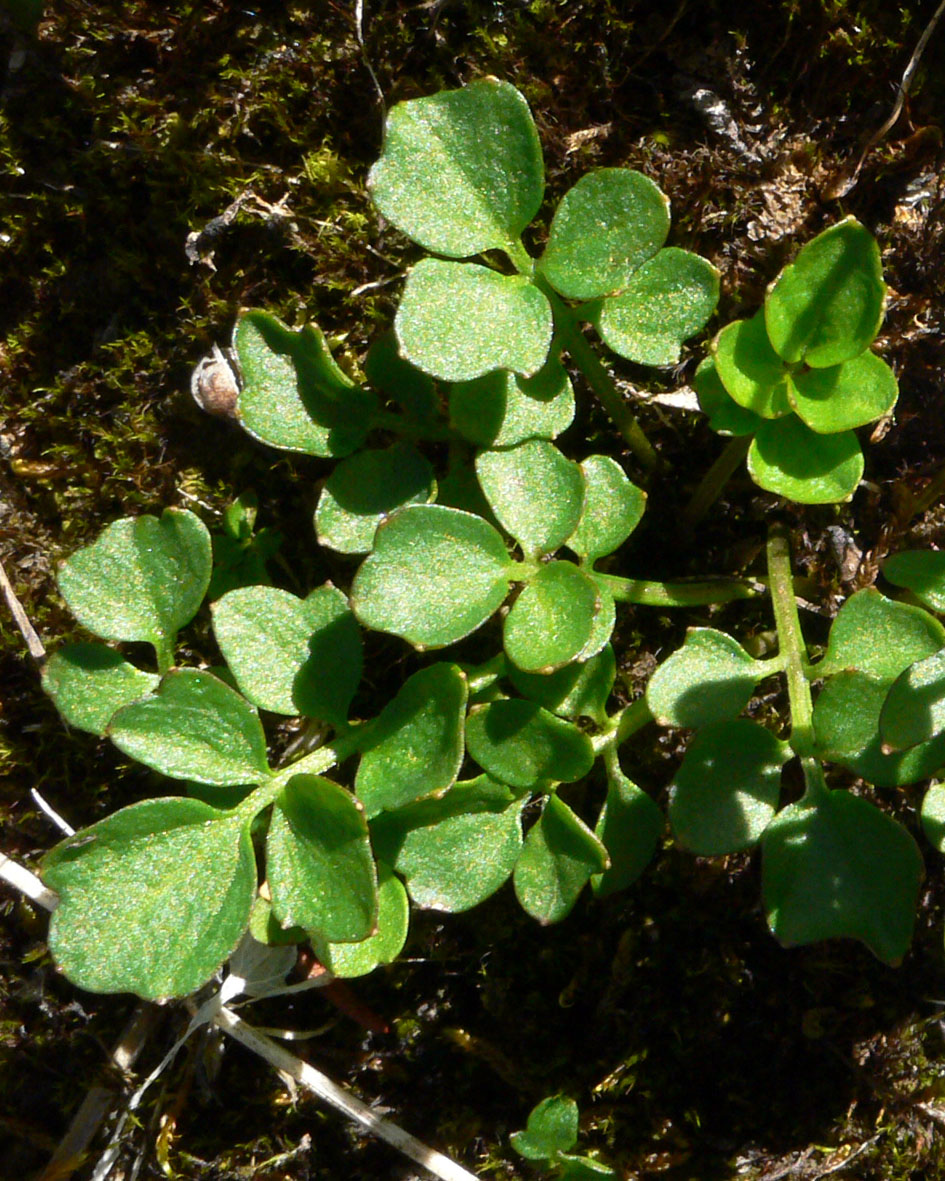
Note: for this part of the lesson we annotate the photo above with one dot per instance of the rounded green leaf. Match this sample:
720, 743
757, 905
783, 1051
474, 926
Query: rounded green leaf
194, 727
666, 301
501, 409
291, 655
550, 622
709, 679
415, 747
840, 868
366, 488
461, 171
630, 827
725, 416
580, 689
827, 306
522, 744
919, 571
914, 710
611, 510
790, 459
153, 899
844, 396
89, 683
535, 492
727, 787
603, 626
385, 945
606, 227
557, 860
879, 636
455, 851
142, 579
933, 816
436, 574
294, 396
552, 1128
458, 320
319, 863
751, 371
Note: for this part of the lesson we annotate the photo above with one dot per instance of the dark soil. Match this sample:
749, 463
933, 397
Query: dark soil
696, 1047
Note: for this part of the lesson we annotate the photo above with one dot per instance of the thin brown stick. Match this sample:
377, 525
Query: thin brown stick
21, 619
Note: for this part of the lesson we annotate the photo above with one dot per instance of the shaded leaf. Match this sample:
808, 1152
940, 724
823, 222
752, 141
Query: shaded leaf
753, 374
630, 827
919, 571
89, 683
844, 396
788, 458
557, 860
385, 945
709, 679
523, 745
501, 408
879, 636
580, 689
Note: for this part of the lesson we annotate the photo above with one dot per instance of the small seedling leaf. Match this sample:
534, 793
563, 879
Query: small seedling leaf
459, 320
630, 826
606, 226
919, 571
456, 851
364, 490
535, 492
294, 396
319, 863
551, 621
583, 1168
827, 306
580, 689
523, 745
666, 301
726, 789
291, 655
89, 683
879, 636
841, 868
436, 574
461, 171
709, 679
611, 510
153, 899
725, 416
501, 409
415, 747
844, 396
558, 858
143, 578
552, 1127
788, 458
194, 727
914, 710
387, 942
752, 373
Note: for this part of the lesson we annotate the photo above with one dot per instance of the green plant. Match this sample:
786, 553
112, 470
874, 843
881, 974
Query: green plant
549, 1136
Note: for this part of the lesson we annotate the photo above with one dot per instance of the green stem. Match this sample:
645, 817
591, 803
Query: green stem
797, 667
715, 479
697, 593
520, 258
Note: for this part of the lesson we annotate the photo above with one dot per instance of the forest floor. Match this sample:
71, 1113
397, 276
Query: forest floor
697, 1047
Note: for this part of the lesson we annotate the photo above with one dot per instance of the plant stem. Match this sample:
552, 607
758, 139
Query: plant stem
797, 667
697, 593
715, 479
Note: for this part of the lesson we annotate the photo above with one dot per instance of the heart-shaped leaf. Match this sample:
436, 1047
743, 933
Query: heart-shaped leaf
89, 683
914, 711
919, 571
436, 574
840, 868
753, 374
557, 860
788, 458
387, 942
458, 320
844, 396
726, 789
665, 302
194, 727
630, 826
826, 308
709, 679
291, 655
552, 1128
153, 899
725, 416
551, 621
606, 226
611, 510
366, 488
501, 409
456, 851
580, 689
524, 745
294, 396
415, 747
535, 492
319, 863
879, 636
142, 579
461, 171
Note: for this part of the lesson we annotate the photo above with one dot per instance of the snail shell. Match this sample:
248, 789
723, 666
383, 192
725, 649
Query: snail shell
214, 385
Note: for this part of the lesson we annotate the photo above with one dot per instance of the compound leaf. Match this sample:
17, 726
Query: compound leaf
89, 683
709, 679
557, 860
550, 623
535, 492
788, 458
522, 744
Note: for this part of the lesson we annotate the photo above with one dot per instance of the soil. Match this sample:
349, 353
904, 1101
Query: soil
166, 165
